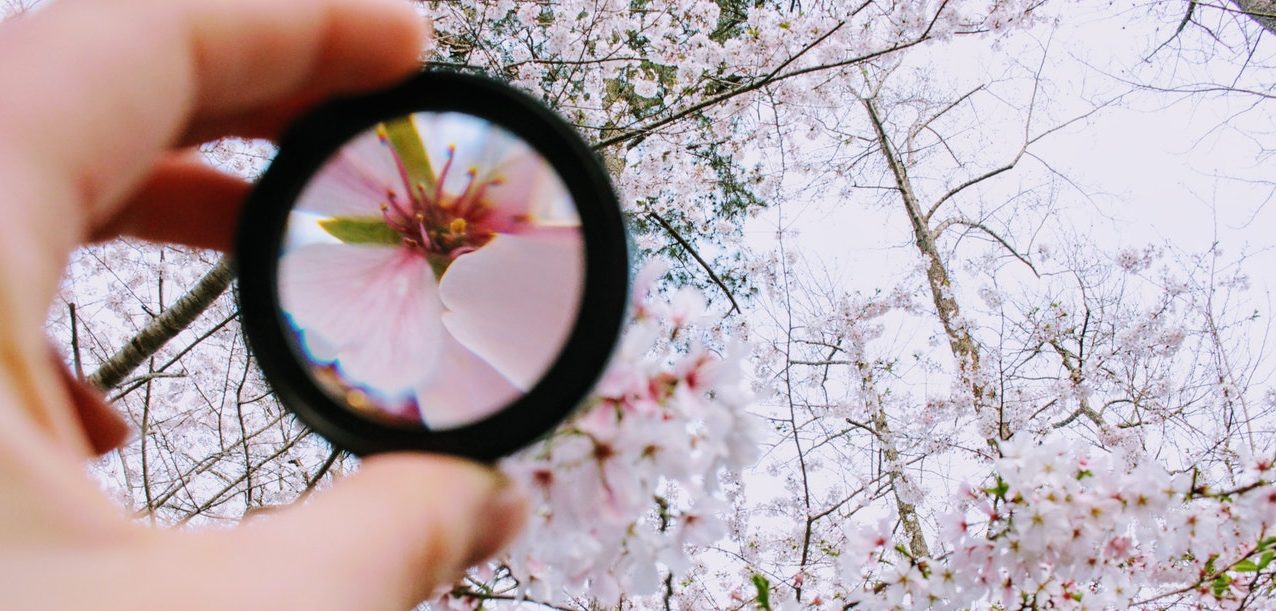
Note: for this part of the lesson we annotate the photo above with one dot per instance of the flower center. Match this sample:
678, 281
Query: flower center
441, 225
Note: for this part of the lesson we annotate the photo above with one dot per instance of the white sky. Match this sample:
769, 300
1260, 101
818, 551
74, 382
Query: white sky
1155, 173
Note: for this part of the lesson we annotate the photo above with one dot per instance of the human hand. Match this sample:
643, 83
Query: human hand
101, 103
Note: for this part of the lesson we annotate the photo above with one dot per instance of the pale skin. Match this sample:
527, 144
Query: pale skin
101, 101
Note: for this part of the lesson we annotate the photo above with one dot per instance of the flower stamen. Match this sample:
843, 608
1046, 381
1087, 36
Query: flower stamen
447, 165
391, 220
393, 199
457, 227
441, 226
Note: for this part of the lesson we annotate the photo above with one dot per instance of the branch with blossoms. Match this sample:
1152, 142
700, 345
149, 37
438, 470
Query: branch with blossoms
1058, 526
1221, 582
624, 491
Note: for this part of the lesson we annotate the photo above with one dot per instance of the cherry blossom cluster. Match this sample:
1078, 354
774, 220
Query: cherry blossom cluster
1057, 526
625, 490
616, 68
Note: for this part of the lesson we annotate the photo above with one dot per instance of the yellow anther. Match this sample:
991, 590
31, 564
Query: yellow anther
457, 226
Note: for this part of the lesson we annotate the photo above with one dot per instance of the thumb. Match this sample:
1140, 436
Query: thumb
383, 538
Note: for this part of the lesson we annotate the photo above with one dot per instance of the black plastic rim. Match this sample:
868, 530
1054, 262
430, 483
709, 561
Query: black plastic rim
302, 152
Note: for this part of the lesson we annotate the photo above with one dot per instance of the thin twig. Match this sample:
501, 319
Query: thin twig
735, 307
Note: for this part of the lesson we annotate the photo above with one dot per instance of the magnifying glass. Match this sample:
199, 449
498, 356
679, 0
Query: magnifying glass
442, 266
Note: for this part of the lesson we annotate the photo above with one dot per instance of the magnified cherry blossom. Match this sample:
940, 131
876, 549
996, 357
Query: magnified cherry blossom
432, 270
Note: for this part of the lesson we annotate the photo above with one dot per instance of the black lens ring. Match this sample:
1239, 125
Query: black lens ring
302, 152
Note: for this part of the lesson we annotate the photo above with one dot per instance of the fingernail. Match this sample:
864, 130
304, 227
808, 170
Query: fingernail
499, 520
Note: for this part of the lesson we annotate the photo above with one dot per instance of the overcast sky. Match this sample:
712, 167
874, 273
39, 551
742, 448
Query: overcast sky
1155, 168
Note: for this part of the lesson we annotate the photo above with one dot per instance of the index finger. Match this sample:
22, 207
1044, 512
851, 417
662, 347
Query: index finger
95, 90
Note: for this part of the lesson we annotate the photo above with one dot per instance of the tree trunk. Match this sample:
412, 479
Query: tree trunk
1262, 11
960, 342
907, 511
164, 327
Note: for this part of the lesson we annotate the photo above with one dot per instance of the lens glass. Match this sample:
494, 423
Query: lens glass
431, 270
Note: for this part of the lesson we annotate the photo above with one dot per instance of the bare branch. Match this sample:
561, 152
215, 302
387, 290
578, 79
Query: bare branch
735, 307
935, 117
1023, 150
75, 342
994, 235
142, 379
1187, 18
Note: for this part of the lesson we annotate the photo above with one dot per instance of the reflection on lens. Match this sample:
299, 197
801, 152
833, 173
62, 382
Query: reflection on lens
432, 270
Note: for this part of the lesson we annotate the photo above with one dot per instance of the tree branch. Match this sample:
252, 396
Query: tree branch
75, 343
1187, 18
772, 77
994, 235
164, 327
735, 307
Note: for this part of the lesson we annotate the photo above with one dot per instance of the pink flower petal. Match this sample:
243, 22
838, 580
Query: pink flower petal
478, 145
530, 195
374, 310
526, 185
514, 301
465, 389
523, 177
355, 181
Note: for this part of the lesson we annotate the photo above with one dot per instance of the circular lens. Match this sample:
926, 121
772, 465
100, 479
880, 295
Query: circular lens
431, 270
440, 266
